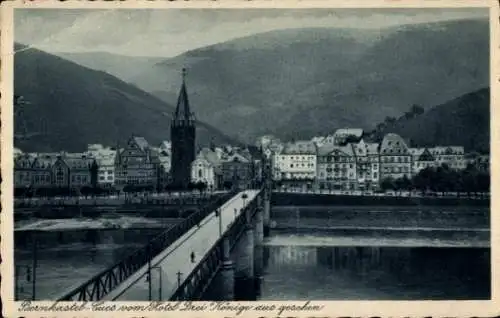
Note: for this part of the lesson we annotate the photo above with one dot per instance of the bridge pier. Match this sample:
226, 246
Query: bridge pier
244, 261
227, 274
267, 212
258, 232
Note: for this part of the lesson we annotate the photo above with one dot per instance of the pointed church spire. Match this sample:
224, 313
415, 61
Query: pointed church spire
182, 111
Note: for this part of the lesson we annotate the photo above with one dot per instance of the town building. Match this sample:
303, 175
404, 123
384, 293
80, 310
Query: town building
73, 172
17, 152
296, 165
452, 156
367, 165
82, 172
482, 163
343, 136
42, 171
203, 171
136, 164
320, 141
183, 134
237, 171
23, 171
165, 148
106, 171
395, 158
336, 167
422, 158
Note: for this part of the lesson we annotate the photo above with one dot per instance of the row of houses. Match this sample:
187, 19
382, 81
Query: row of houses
346, 161
137, 163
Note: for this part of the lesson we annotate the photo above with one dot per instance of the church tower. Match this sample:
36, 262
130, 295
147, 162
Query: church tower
183, 134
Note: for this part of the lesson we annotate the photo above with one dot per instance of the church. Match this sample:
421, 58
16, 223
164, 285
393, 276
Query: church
183, 137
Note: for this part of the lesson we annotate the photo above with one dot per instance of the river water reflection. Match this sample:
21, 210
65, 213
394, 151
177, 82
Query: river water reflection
403, 270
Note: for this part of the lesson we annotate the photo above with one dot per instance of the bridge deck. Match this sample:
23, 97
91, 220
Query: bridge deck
177, 257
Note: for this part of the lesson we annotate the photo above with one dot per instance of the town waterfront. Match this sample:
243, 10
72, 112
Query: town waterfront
413, 264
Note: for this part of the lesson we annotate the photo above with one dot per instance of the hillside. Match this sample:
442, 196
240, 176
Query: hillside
298, 83
464, 121
121, 66
74, 106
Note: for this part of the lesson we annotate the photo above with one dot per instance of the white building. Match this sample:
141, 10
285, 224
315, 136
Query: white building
165, 148
367, 164
319, 141
297, 161
206, 168
203, 171
106, 171
17, 152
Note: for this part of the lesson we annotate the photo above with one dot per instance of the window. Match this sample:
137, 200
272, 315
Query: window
59, 175
291, 165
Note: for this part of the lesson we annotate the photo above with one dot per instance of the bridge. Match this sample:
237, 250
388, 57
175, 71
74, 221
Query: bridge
219, 245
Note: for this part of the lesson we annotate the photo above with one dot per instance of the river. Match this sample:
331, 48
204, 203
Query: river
301, 266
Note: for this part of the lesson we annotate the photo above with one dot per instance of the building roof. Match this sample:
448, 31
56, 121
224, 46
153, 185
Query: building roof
416, 151
358, 132
329, 149
299, 148
235, 156
211, 156
447, 150
393, 144
105, 161
44, 162
78, 163
24, 161
363, 148
183, 111
141, 142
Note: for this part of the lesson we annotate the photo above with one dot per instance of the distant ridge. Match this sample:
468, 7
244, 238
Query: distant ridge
81, 106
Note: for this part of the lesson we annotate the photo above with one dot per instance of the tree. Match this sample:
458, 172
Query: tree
408, 115
387, 184
390, 120
406, 183
86, 191
470, 176
483, 182
417, 110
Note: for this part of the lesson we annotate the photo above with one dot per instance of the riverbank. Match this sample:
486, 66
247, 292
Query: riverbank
52, 233
308, 199
69, 212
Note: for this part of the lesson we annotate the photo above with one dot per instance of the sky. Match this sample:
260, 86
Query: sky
170, 32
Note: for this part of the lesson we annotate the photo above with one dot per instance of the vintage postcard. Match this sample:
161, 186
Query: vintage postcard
249, 158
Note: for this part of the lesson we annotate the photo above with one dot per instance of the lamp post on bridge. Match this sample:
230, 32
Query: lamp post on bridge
179, 275
148, 279
244, 197
218, 212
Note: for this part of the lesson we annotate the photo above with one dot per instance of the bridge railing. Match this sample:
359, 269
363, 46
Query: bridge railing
195, 285
104, 282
